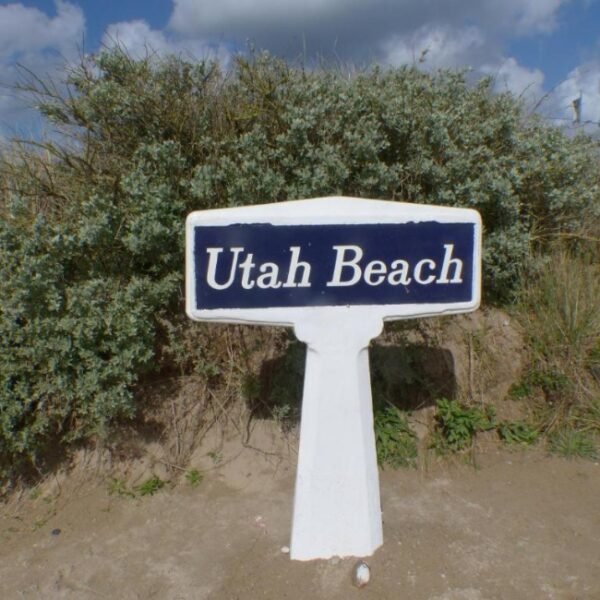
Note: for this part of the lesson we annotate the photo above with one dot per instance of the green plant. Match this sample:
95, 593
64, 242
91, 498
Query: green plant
395, 440
282, 415
216, 456
91, 219
549, 380
35, 493
521, 389
573, 443
194, 477
517, 432
457, 424
150, 486
118, 487
587, 418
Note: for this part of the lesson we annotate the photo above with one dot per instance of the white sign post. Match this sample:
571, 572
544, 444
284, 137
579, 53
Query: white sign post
334, 269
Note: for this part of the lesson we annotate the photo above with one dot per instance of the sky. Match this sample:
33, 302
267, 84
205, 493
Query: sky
545, 51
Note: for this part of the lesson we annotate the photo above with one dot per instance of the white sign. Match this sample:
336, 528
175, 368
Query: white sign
334, 269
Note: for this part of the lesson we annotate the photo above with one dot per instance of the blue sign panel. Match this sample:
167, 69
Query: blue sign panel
259, 265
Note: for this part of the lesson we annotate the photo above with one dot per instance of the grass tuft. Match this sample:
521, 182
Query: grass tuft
573, 443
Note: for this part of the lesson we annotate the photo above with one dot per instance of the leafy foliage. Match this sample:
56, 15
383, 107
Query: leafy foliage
74, 340
150, 486
194, 477
395, 440
456, 424
118, 487
517, 432
91, 222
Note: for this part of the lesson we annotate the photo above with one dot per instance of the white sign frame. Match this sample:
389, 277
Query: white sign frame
337, 507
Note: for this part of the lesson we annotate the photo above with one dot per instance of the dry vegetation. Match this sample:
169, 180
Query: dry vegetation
93, 336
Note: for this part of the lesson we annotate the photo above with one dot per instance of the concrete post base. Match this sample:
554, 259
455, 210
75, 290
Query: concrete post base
337, 510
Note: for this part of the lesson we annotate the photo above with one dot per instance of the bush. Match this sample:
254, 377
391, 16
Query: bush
396, 442
457, 425
267, 132
74, 342
517, 432
91, 222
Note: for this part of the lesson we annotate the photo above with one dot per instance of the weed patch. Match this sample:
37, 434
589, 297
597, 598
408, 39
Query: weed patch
456, 425
573, 443
150, 486
561, 314
194, 477
517, 432
118, 487
395, 440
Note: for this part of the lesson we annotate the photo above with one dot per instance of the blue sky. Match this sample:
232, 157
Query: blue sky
537, 49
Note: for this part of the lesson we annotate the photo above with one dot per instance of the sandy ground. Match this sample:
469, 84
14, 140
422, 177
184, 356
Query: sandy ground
519, 525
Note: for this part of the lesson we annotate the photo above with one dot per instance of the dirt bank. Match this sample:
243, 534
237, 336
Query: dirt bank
516, 526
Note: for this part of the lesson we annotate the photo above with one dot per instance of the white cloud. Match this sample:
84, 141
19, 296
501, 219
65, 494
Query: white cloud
26, 30
539, 15
523, 16
445, 47
584, 82
509, 76
354, 24
435, 47
40, 43
139, 39
44, 44
445, 33
191, 15
435, 34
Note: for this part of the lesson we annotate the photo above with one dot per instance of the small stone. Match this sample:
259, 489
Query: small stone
285, 549
361, 574
55, 532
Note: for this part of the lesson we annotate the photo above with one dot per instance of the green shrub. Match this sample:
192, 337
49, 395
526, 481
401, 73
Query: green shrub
118, 487
457, 425
194, 477
150, 486
74, 339
268, 132
395, 440
517, 432
91, 222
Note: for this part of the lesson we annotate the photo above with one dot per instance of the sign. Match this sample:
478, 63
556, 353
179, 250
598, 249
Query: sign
257, 265
334, 269
269, 263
